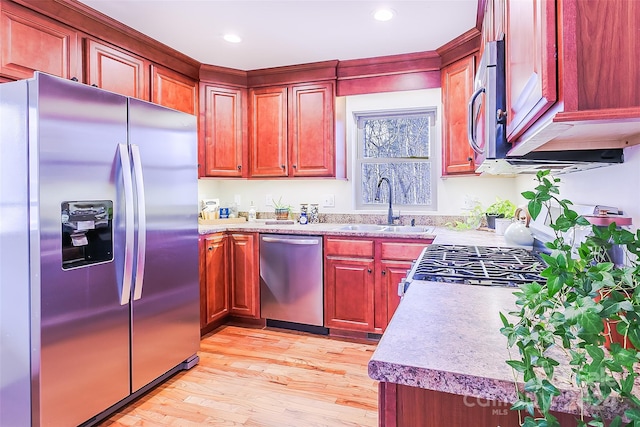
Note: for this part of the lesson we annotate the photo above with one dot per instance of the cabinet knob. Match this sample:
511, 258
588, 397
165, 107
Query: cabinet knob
369, 270
75, 79
384, 272
210, 248
239, 167
283, 167
469, 159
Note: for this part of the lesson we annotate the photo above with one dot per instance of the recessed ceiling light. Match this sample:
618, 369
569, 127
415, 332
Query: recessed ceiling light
383, 14
232, 38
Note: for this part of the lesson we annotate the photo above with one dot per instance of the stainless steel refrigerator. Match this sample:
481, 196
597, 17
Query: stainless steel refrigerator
99, 296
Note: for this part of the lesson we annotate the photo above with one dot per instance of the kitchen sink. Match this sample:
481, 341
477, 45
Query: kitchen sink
387, 228
362, 227
408, 229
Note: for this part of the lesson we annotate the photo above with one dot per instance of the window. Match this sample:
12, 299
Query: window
396, 145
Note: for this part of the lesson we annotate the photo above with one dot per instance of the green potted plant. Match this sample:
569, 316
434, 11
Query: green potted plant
281, 209
499, 209
558, 327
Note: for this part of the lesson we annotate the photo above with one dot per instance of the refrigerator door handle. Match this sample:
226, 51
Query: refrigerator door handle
142, 222
125, 164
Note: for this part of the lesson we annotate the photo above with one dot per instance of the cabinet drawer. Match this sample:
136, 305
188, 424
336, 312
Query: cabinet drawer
349, 247
401, 251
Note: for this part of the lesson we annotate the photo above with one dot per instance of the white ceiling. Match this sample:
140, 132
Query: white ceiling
278, 33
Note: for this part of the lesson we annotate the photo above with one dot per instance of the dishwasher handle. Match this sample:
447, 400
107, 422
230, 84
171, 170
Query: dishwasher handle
291, 241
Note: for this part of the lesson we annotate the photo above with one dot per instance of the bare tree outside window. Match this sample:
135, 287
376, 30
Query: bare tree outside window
396, 145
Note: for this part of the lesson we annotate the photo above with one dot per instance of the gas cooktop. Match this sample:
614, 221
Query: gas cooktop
478, 265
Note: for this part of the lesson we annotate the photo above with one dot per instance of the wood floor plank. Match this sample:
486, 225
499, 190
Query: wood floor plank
262, 378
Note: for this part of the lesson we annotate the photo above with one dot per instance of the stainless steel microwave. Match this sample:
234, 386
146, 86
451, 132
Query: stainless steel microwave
487, 120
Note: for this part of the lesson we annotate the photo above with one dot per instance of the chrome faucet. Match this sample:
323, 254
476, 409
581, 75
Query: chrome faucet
390, 217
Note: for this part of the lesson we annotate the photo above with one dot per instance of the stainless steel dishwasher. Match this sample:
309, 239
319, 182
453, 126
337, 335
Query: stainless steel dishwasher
291, 280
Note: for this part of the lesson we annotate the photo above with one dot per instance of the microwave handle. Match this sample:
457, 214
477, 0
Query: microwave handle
471, 129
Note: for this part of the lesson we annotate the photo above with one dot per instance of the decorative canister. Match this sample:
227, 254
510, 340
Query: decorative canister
314, 217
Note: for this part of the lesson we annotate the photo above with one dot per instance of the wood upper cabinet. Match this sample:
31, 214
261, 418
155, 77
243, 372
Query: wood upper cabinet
530, 62
223, 148
457, 88
116, 70
268, 131
214, 278
312, 142
31, 42
245, 275
291, 131
572, 74
173, 90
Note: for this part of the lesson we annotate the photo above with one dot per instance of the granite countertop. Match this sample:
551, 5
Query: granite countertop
442, 235
446, 337
310, 229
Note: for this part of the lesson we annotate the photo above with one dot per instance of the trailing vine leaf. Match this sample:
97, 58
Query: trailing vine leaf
583, 289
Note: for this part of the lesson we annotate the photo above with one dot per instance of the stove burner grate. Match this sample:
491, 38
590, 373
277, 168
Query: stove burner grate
479, 265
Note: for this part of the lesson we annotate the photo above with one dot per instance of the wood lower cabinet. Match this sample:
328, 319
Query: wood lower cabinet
392, 273
116, 70
173, 90
349, 294
361, 280
405, 406
214, 278
31, 42
245, 275
229, 277
223, 146
393, 260
457, 88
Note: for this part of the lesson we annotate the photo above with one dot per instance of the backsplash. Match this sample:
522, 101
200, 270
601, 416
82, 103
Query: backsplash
341, 218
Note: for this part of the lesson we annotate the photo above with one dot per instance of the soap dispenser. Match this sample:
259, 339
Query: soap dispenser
252, 213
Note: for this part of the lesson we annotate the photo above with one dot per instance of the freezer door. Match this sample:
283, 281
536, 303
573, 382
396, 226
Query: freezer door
166, 306
75, 189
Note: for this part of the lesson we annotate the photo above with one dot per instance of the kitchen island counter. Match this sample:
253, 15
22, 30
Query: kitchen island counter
445, 338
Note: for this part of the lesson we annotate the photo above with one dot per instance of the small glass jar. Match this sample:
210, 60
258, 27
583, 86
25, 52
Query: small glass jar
314, 217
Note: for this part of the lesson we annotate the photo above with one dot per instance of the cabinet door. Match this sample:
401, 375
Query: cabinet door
224, 147
349, 294
173, 90
311, 137
268, 132
31, 42
244, 275
116, 70
217, 278
530, 62
457, 88
392, 274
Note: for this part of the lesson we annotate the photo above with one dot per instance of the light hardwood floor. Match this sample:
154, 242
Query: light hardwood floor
264, 377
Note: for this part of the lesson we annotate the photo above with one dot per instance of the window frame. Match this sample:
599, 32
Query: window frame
359, 159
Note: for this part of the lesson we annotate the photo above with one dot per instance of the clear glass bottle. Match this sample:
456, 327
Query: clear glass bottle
252, 213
